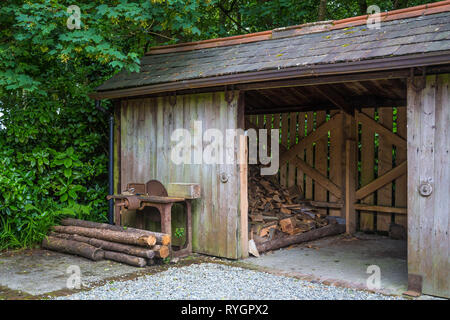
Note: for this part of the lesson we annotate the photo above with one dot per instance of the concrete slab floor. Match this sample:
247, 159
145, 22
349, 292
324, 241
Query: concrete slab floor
36, 272
30, 274
342, 260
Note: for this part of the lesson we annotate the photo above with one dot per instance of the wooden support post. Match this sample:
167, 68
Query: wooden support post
166, 211
350, 186
337, 147
243, 194
428, 118
350, 173
385, 146
117, 214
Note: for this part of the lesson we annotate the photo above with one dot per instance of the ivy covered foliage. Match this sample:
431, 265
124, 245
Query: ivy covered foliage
53, 141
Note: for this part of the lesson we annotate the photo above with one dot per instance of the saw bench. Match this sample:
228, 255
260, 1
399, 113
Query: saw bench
154, 194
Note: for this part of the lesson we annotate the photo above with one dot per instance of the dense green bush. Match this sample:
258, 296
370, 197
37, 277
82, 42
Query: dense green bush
53, 142
53, 164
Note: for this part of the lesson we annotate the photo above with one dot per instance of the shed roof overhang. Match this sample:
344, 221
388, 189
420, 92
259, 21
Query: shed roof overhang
412, 40
386, 68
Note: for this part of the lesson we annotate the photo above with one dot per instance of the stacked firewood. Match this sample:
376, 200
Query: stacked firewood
97, 241
275, 211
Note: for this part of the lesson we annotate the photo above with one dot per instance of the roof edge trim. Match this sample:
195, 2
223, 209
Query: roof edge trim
389, 63
313, 27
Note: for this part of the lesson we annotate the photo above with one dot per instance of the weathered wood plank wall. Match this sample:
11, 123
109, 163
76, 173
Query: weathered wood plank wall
428, 114
146, 127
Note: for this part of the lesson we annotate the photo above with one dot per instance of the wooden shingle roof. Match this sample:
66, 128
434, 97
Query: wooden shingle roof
290, 48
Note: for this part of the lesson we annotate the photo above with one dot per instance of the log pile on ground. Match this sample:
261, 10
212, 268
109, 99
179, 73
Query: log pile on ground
97, 241
277, 215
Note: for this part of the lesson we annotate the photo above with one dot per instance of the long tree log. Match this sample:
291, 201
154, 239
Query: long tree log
123, 248
111, 246
109, 235
73, 247
329, 230
125, 258
68, 236
161, 238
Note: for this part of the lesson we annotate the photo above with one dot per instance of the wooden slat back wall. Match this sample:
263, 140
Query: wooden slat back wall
325, 155
377, 155
146, 126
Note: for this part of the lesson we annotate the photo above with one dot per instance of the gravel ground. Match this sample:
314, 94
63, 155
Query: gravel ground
220, 282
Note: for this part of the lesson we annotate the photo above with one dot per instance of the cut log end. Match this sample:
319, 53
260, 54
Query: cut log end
164, 252
150, 240
165, 240
161, 251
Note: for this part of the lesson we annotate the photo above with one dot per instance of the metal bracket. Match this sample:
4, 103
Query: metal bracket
173, 99
414, 285
224, 177
422, 79
426, 188
229, 96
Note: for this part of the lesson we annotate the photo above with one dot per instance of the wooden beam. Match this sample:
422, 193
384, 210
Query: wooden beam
309, 139
320, 204
382, 130
317, 176
382, 181
357, 102
335, 98
368, 207
398, 74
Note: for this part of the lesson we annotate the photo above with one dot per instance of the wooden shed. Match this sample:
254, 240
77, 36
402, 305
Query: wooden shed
363, 113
